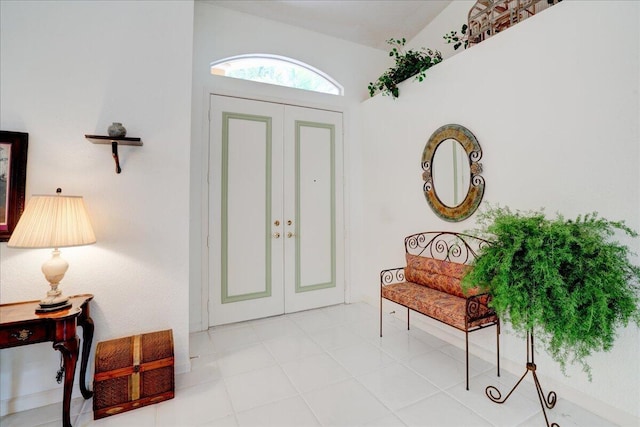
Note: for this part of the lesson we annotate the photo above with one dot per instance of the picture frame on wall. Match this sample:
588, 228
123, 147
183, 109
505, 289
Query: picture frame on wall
13, 179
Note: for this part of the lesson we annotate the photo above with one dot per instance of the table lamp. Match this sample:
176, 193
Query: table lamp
53, 221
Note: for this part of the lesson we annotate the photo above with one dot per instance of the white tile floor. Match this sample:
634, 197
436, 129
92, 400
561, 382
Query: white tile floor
327, 367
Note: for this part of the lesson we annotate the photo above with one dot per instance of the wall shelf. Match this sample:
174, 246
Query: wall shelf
103, 139
114, 141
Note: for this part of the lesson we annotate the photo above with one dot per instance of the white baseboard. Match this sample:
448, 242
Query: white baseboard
196, 327
54, 396
30, 401
183, 368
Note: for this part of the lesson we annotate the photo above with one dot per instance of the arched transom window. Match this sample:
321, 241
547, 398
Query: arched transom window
276, 70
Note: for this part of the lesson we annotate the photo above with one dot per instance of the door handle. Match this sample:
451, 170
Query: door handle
290, 234
276, 235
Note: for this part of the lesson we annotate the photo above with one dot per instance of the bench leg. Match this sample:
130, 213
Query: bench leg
381, 316
466, 341
408, 311
498, 345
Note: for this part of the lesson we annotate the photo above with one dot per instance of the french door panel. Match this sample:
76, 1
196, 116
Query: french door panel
313, 189
246, 269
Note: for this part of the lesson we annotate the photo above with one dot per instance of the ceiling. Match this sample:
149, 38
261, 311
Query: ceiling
366, 22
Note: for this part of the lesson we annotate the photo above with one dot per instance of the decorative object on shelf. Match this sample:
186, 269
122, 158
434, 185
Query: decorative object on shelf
452, 185
53, 222
13, 178
568, 282
487, 18
114, 141
116, 130
408, 64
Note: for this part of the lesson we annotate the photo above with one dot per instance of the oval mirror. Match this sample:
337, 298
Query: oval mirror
452, 186
450, 173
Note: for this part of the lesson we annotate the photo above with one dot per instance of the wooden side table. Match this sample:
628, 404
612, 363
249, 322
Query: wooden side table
20, 325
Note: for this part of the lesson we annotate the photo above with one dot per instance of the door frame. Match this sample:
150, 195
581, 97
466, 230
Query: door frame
204, 187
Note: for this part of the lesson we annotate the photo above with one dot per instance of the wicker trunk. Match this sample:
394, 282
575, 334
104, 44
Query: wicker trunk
132, 372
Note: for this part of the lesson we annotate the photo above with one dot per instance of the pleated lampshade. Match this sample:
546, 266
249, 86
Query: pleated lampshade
53, 221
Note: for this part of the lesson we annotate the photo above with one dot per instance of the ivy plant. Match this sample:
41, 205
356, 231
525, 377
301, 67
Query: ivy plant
458, 40
570, 282
408, 63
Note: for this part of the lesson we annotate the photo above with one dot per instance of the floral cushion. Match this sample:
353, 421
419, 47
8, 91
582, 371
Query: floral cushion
439, 305
446, 268
440, 275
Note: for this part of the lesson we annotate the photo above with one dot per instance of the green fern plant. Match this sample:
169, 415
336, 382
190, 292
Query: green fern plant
568, 281
408, 64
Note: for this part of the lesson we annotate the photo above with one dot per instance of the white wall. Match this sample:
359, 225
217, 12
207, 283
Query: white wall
553, 102
220, 33
71, 68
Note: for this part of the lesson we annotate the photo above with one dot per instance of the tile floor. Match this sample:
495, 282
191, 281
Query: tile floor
327, 367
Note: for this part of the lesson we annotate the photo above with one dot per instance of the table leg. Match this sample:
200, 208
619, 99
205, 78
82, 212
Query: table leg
69, 350
87, 339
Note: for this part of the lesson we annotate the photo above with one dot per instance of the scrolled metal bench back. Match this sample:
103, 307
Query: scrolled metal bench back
445, 246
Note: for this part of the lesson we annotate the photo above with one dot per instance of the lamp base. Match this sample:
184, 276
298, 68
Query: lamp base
48, 306
54, 269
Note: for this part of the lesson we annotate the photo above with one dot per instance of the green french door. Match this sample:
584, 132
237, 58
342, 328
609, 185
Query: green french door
275, 209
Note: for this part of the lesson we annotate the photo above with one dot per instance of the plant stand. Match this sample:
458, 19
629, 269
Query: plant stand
550, 401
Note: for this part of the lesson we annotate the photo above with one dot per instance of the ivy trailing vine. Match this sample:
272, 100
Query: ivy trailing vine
408, 63
458, 40
568, 281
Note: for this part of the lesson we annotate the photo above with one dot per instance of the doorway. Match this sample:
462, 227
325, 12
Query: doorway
275, 209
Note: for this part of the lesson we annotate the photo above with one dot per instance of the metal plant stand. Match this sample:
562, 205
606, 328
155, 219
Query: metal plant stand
549, 401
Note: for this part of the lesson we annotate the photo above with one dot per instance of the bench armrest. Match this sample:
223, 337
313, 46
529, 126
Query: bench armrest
478, 307
393, 275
